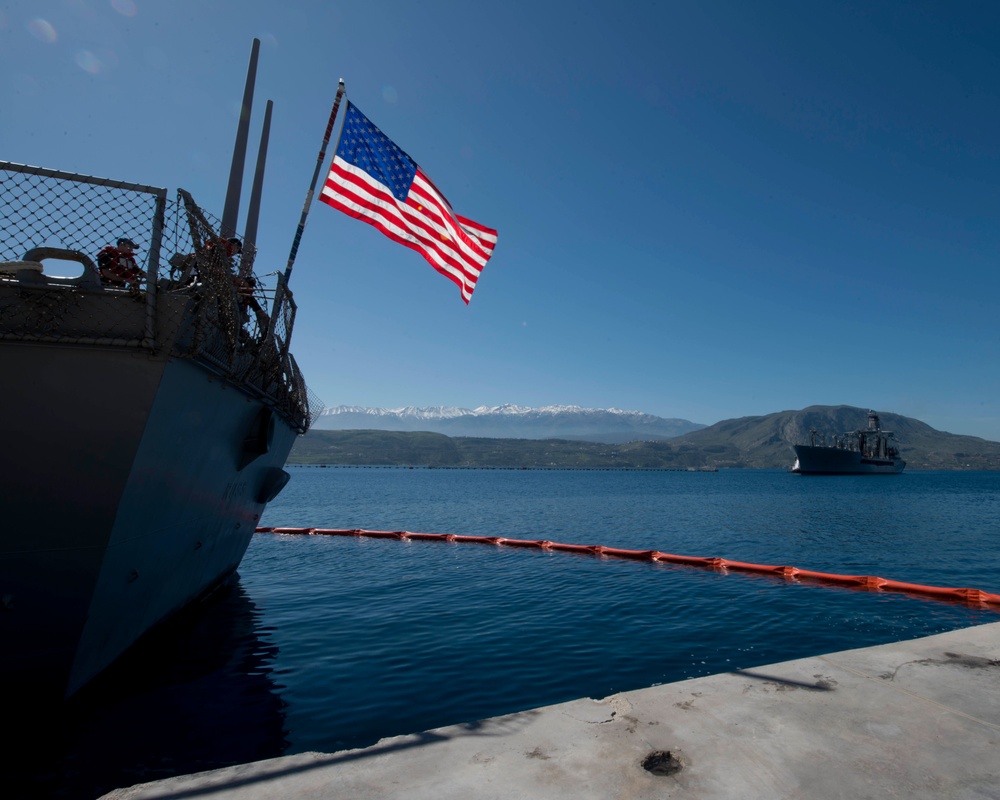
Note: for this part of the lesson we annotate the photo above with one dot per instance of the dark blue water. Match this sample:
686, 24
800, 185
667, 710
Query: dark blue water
327, 642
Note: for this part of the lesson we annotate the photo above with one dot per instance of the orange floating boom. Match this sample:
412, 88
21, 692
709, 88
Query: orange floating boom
973, 597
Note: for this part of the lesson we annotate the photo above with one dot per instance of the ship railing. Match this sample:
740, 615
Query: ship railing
199, 297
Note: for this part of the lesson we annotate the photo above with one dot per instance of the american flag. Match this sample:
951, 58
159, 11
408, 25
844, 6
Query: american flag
371, 179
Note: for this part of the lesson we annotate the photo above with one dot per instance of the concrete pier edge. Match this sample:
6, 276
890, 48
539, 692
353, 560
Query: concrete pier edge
913, 719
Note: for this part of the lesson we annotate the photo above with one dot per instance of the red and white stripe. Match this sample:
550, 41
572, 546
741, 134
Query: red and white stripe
456, 247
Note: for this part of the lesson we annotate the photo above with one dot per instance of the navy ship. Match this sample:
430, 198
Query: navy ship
862, 452
146, 422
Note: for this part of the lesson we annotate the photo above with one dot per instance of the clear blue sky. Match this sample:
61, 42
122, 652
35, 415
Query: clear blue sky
706, 210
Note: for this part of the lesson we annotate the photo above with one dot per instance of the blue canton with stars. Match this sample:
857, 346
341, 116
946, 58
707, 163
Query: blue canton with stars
366, 147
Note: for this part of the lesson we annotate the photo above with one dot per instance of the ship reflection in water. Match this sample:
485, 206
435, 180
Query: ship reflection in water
197, 695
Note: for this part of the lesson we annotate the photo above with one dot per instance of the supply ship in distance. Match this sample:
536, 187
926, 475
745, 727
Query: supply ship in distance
145, 428
862, 452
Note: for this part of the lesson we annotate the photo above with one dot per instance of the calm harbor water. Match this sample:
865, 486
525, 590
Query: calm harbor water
327, 643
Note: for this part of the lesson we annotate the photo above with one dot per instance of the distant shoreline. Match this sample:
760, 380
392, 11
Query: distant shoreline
758, 443
518, 469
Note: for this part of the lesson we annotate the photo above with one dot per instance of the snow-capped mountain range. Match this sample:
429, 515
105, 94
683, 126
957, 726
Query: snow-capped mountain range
609, 425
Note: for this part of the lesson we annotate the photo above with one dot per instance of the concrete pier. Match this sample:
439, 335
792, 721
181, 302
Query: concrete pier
914, 719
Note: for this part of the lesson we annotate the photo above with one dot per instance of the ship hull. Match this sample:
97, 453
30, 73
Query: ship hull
145, 426
130, 495
813, 460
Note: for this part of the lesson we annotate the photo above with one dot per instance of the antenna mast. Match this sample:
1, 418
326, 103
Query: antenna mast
231, 209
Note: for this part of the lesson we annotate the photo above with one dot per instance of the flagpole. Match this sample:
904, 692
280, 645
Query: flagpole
312, 187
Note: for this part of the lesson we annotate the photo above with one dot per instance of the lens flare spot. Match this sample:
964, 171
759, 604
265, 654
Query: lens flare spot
88, 62
42, 30
124, 7
389, 94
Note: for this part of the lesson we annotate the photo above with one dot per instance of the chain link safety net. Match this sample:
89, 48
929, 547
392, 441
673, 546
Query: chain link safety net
188, 293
